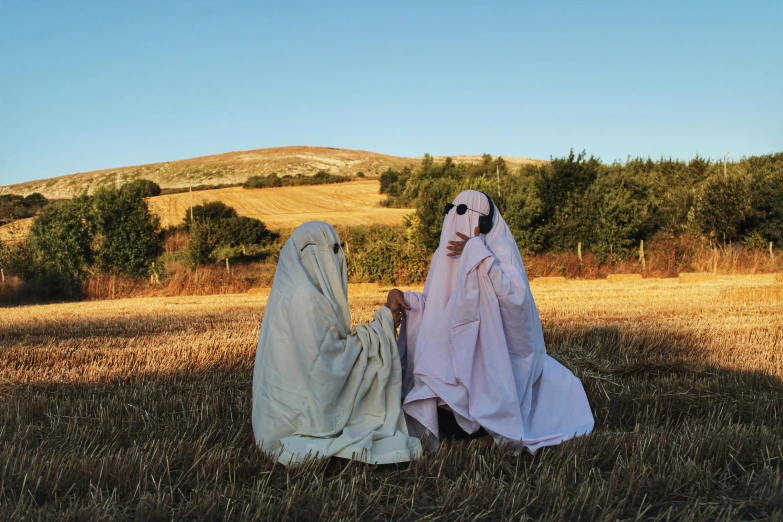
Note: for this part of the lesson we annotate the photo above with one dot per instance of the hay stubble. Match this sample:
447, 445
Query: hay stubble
140, 409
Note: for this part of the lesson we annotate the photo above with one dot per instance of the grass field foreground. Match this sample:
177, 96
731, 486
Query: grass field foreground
140, 409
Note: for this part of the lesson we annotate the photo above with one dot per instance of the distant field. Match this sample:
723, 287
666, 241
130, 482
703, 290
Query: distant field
351, 203
139, 409
15, 231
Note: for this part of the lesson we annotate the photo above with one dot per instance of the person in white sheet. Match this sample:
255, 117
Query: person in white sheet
473, 346
320, 388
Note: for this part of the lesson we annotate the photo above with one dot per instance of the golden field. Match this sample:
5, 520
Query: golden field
140, 409
350, 203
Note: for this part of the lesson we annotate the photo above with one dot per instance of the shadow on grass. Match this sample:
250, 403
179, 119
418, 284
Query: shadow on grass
674, 437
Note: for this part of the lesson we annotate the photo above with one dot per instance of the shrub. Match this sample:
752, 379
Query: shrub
273, 180
14, 207
128, 235
210, 211
217, 226
721, 208
202, 243
143, 187
242, 231
60, 239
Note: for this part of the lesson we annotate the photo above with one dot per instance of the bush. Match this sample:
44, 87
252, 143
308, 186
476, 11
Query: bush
209, 211
242, 231
217, 226
128, 235
202, 243
60, 239
13, 207
273, 180
143, 187
721, 208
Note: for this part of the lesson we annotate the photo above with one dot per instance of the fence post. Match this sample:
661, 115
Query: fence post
579, 251
228, 269
152, 273
2, 271
641, 255
771, 254
714, 260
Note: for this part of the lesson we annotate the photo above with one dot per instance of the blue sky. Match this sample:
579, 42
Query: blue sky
101, 84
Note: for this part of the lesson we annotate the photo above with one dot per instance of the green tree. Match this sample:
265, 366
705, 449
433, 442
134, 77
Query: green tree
765, 216
144, 187
60, 247
129, 237
433, 196
722, 206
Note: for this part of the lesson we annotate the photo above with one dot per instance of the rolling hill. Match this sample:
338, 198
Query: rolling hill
232, 168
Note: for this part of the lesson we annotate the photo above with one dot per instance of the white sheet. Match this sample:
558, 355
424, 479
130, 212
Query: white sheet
320, 388
475, 345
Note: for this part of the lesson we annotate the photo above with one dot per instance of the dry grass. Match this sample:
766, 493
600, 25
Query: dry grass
623, 278
550, 280
353, 203
15, 231
139, 409
697, 277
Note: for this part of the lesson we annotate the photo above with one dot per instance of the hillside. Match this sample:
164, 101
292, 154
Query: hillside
352, 203
231, 168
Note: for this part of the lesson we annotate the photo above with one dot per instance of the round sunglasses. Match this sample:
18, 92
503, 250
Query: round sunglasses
461, 209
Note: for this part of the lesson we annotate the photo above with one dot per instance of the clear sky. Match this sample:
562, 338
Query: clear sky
101, 84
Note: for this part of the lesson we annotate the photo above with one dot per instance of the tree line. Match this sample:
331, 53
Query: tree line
610, 208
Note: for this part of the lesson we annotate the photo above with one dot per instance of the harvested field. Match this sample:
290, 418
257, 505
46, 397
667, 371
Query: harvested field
550, 280
351, 203
15, 231
140, 409
696, 277
623, 278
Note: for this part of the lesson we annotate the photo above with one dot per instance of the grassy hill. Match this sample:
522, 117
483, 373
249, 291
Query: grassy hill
230, 168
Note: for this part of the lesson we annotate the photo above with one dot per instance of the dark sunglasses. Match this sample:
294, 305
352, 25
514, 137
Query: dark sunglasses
461, 209
336, 247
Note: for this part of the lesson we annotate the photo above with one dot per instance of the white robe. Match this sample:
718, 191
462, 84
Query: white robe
474, 344
320, 388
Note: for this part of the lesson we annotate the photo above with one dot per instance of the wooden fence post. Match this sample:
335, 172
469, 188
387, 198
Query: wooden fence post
579, 251
2, 271
771, 254
714, 260
641, 255
228, 268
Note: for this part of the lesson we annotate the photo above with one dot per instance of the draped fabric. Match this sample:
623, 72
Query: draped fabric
474, 344
321, 388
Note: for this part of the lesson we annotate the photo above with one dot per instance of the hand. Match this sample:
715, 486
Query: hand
396, 303
457, 247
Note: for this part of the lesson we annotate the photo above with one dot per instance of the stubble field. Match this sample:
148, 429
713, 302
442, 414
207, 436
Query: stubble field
140, 409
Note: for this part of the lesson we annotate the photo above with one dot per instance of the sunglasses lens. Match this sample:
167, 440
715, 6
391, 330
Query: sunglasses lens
336, 247
462, 208
449, 206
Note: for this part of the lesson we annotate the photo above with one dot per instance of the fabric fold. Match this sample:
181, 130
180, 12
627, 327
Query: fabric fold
321, 389
475, 345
